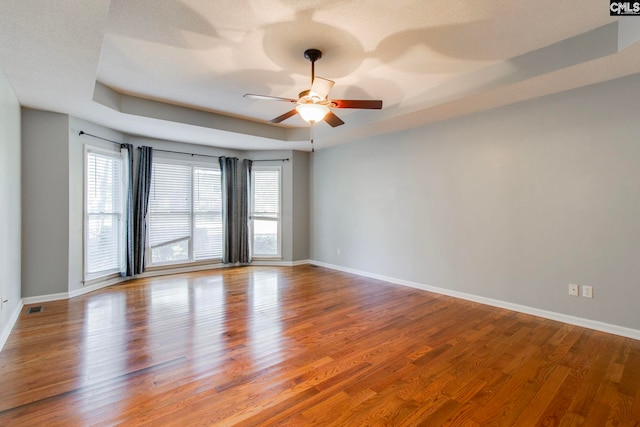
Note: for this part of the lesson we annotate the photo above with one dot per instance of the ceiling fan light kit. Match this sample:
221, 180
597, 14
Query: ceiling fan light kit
313, 104
312, 113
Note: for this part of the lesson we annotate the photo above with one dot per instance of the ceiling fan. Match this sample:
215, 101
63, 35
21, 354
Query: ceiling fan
313, 104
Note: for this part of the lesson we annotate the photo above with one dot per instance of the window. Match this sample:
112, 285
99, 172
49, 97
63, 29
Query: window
265, 211
104, 202
185, 213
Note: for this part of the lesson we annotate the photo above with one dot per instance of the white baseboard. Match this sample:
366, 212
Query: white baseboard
6, 331
157, 271
560, 317
153, 273
45, 298
189, 269
77, 292
281, 263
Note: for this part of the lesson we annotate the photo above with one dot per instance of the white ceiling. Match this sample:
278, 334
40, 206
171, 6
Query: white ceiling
178, 69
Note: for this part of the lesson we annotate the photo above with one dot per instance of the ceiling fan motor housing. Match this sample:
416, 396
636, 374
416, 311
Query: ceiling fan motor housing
310, 97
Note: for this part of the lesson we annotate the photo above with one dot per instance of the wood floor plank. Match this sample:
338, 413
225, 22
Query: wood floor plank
546, 393
292, 346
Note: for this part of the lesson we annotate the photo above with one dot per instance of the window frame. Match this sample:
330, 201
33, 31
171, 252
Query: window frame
112, 272
190, 261
253, 217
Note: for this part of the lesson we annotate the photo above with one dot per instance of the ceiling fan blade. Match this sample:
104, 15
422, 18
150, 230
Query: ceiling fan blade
333, 120
321, 86
268, 98
284, 116
357, 103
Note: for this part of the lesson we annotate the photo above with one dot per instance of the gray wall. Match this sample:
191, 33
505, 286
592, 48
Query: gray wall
301, 185
10, 275
511, 204
53, 175
45, 202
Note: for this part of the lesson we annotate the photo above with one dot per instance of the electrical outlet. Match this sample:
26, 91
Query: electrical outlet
574, 290
338, 251
587, 291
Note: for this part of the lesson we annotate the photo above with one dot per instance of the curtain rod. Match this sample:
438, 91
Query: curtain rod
217, 157
188, 154
99, 137
177, 152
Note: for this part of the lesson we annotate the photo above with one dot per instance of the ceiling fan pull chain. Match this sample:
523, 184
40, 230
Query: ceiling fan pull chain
311, 137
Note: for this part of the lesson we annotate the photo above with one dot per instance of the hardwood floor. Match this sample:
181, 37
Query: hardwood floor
306, 346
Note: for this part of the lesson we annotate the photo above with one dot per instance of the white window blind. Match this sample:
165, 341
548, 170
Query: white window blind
170, 213
103, 214
185, 213
265, 211
207, 213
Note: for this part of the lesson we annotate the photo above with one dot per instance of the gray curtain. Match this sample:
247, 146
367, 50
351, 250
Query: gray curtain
228, 173
243, 213
128, 269
235, 211
142, 206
